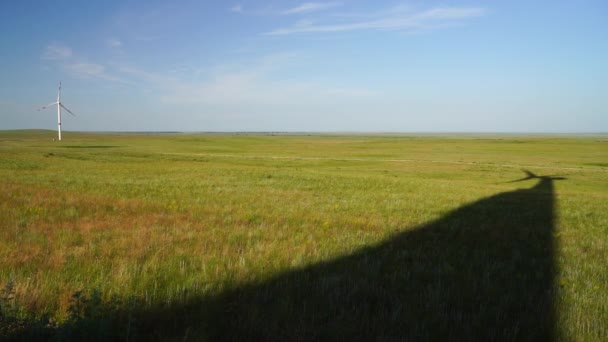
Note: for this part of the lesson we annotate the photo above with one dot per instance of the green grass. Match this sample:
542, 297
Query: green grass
182, 236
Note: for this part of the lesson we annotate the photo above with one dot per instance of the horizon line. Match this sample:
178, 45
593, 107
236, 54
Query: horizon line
312, 132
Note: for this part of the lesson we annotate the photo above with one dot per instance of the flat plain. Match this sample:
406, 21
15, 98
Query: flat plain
303, 236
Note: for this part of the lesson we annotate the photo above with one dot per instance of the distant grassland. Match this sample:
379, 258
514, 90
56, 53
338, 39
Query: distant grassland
208, 236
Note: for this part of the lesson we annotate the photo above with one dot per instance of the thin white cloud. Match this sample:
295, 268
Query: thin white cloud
57, 52
90, 70
452, 13
256, 83
303, 8
63, 57
256, 88
227, 85
259, 83
155, 79
311, 7
236, 9
393, 20
114, 43
86, 69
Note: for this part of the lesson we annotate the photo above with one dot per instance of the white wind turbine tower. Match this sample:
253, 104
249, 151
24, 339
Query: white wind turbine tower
59, 106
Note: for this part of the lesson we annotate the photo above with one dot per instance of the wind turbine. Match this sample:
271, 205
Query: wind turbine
59, 106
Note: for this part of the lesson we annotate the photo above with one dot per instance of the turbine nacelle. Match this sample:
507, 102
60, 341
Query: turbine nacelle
531, 175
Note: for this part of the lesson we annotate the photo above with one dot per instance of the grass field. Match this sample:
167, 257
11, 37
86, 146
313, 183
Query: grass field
303, 237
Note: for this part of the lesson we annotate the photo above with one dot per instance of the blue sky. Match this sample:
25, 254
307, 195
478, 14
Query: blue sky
359, 65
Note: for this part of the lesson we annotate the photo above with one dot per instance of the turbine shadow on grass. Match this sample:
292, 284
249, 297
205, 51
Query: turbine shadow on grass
483, 272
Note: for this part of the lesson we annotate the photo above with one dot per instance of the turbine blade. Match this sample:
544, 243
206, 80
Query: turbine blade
47, 106
69, 111
529, 175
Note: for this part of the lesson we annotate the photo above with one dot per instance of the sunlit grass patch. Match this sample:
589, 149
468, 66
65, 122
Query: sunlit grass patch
165, 226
